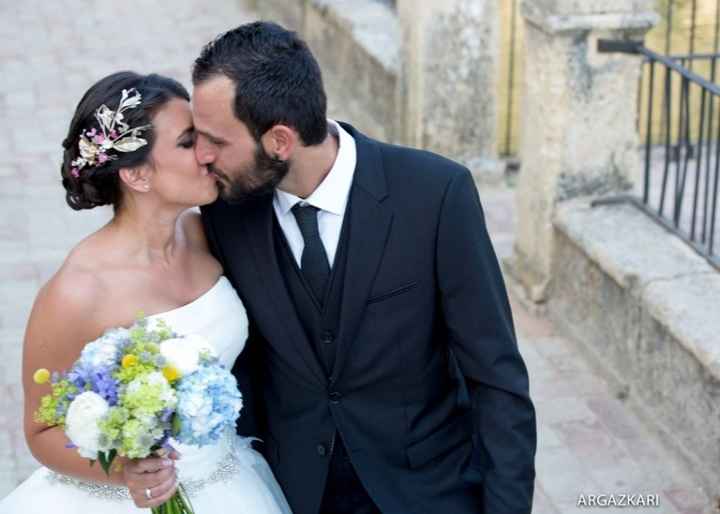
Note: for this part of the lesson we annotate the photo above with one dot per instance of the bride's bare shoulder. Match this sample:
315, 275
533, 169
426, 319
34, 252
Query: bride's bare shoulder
75, 290
64, 316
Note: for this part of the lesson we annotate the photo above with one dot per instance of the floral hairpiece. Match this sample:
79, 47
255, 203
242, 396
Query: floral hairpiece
115, 134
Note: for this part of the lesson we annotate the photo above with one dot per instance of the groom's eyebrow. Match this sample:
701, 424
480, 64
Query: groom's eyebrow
214, 139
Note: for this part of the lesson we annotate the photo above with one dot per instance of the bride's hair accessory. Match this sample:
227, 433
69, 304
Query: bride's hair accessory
114, 135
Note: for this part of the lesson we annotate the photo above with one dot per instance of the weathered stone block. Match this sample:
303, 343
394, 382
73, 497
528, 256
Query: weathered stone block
288, 14
578, 124
644, 307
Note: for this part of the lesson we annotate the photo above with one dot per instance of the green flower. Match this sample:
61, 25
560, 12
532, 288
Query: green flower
111, 426
138, 439
127, 375
144, 348
149, 395
53, 406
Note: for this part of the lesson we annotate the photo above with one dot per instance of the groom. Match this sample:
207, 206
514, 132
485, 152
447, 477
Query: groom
375, 299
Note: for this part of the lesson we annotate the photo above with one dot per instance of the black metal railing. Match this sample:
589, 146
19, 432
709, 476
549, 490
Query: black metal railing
509, 145
679, 187
696, 27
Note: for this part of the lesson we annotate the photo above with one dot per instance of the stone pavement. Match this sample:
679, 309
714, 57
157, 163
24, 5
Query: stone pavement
589, 442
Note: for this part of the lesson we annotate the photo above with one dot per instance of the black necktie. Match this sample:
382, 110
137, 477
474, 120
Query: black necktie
314, 262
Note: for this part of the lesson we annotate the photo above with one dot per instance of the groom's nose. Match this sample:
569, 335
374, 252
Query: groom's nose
204, 152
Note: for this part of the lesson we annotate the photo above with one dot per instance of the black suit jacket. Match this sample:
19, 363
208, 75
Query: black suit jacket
423, 297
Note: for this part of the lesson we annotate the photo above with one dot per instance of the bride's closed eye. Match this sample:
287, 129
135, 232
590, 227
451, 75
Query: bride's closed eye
187, 138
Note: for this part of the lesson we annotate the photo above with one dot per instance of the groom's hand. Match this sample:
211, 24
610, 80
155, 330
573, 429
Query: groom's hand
154, 474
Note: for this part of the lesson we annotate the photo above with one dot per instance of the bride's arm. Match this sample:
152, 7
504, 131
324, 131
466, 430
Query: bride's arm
62, 321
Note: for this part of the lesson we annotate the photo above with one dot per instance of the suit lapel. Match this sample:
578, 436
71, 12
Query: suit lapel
370, 222
284, 325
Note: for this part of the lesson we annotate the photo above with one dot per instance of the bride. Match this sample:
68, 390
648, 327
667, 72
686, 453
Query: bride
151, 257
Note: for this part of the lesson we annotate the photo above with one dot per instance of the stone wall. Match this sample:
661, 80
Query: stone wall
450, 55
643, 306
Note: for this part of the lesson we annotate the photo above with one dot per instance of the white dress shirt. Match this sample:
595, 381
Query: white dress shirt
330, 197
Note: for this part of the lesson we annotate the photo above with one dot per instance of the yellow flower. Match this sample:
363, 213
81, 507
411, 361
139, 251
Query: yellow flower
41, 376
170, 373
129, 360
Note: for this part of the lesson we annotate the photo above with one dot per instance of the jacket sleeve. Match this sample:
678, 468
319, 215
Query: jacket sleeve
482, 337
246, 368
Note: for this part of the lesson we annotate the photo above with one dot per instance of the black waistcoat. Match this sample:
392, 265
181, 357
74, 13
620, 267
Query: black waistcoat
343, 489
320, 324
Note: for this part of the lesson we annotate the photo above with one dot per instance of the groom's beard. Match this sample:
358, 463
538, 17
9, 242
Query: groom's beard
253, 181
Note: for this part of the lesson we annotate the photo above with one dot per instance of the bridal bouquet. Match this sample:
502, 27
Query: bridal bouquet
133, 389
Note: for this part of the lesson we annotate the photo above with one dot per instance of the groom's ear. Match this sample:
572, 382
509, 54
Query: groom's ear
280, 142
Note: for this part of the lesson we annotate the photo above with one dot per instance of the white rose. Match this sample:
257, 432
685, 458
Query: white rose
81, 422
183, 353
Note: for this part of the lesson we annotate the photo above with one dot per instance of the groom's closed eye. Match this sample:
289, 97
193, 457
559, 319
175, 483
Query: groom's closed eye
217, 142
212, 139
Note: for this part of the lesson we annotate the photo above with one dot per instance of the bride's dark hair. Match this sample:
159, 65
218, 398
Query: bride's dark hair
100, 184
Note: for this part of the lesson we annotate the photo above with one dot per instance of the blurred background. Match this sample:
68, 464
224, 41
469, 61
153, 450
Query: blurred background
592, 130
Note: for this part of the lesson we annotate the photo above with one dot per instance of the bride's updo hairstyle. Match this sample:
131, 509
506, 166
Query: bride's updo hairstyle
93, 182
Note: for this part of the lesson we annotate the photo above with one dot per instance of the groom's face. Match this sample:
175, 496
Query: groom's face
240, 164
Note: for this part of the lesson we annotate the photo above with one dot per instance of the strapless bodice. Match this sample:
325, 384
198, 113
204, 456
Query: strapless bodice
219, 316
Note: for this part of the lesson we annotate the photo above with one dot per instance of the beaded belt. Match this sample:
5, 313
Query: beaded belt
228, 466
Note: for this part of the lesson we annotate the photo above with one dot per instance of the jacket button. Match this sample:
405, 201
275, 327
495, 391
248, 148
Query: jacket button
322, 450
335, 397
327, 337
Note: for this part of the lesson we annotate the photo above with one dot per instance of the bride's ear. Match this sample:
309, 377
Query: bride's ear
137, 179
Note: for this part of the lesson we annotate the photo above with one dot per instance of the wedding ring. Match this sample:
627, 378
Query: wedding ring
148, 494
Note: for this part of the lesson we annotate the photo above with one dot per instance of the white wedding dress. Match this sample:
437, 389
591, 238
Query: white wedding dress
227, 477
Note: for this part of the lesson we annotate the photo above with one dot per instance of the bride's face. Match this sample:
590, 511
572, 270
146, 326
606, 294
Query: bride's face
177, 178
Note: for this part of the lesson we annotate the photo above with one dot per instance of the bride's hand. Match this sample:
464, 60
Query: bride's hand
155, 475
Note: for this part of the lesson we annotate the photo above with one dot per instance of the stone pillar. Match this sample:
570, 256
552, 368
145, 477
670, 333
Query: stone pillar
578, 118
447, 90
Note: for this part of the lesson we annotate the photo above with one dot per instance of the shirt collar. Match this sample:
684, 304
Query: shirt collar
332, 193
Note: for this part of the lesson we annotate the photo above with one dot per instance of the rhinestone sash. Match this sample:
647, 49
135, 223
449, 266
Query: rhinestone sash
226, 469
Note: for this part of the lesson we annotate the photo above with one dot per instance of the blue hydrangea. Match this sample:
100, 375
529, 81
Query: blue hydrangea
209, 403
99, 380
106, 351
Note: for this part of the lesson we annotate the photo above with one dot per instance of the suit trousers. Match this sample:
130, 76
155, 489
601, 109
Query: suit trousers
344, 493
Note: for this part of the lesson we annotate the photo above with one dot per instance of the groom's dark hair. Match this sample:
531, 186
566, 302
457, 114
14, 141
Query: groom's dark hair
276, 77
